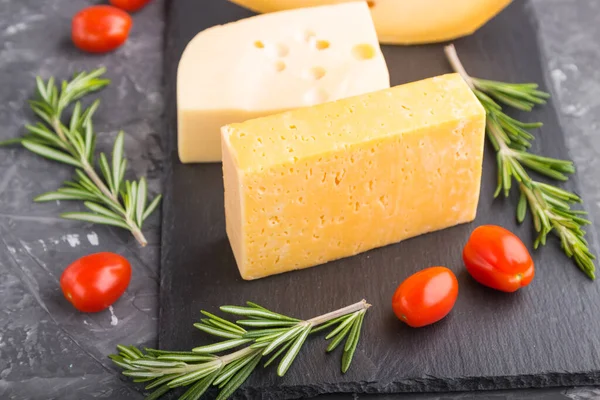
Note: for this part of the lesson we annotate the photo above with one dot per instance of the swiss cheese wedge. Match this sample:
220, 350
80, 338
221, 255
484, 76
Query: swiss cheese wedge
408, 21
271, 63
316, 184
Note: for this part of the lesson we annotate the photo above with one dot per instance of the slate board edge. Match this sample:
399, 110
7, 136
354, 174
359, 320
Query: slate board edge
167, 139
430, 385
401, 386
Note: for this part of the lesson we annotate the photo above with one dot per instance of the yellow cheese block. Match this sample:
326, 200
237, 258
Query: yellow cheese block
272, 63
408, 21
316, 184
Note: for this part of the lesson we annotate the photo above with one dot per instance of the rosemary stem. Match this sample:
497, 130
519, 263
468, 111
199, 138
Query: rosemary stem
457, 66
227, 358
361, 305
59, 131
187, 368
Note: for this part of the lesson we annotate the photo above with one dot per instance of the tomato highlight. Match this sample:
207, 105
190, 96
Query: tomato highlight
96, 281
497, 258
426, 296
100, 29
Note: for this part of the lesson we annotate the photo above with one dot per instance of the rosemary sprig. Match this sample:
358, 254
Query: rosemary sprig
550, 206
111, 199
276, 336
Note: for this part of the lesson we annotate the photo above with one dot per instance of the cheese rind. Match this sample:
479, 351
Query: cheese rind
271, 63
408, 21
316, 184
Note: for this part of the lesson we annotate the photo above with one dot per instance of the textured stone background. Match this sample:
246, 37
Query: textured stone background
48, 351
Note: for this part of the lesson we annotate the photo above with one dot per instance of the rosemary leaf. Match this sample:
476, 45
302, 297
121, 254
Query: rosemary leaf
278, 353
521, 207
187, 358
160, 381
211, 330
239, 378
221, 346
53, 196
101, 210
352, 337
264, 332
231, 369
151, 207
141, 374
330, 323
351, 343
223, 323
282, 338
338, 339
200, 373
117, 156
154, 363
50, 153
157, 353
127, 351
158, 393
341, 326
199, 388
251, 304
94, 218
140, 202
41, 132
290, 356
263, 323
251, 311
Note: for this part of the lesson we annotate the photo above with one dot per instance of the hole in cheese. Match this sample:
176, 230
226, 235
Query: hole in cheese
259, 44
363, 51
321, 44
315, 73
371, 4
279, 66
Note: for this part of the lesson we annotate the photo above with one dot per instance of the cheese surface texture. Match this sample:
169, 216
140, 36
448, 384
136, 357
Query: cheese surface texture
271, 63
316, 184
408, 21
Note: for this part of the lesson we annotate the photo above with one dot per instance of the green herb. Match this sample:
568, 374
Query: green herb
111, 199
549, 205
276, 336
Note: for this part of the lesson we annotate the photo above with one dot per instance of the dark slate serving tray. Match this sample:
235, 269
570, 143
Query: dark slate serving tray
545, 335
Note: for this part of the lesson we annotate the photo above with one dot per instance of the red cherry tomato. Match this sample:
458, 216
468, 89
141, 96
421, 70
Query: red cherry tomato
96, 281
129, 5
98, 29
425, 297
497, 258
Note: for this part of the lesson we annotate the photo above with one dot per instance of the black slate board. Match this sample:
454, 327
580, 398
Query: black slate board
546, 335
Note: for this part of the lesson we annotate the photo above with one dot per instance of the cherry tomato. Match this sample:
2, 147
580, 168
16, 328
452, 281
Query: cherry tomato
497, 258
98, 29
129, 5
96, 281
426, 296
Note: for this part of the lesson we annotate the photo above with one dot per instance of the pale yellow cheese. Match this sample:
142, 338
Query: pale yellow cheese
408, 21
271, 63
321, 183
